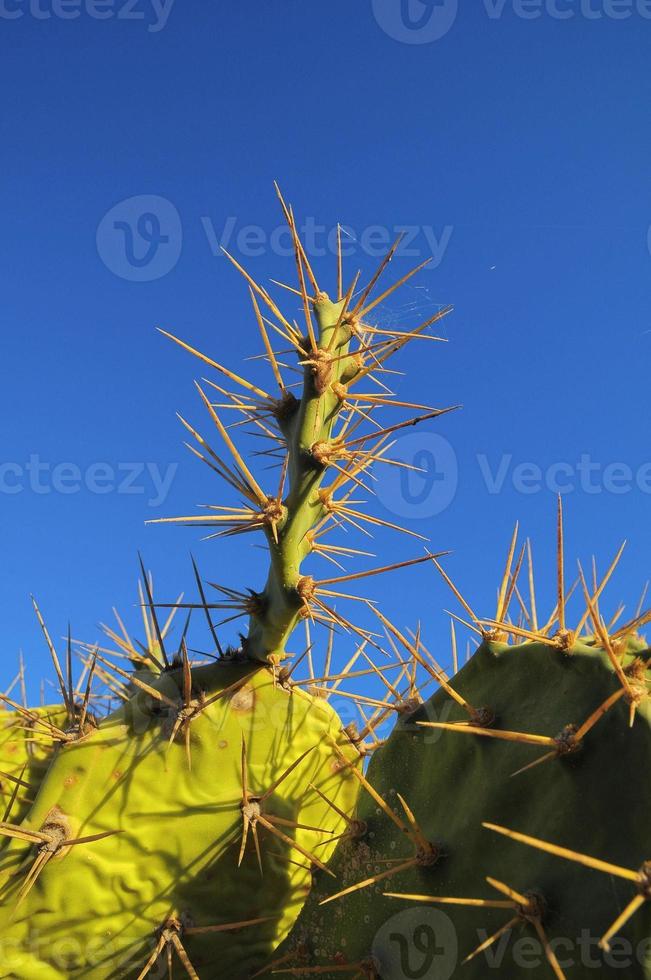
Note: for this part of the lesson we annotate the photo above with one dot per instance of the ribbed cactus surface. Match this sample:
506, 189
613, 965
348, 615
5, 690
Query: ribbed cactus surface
160, 823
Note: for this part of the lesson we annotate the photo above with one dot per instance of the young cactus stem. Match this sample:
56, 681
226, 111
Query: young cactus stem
307, 433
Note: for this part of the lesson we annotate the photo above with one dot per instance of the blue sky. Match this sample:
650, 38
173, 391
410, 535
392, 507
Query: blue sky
515, 148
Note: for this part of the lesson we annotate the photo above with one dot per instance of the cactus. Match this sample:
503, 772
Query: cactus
186, 827
160, 833
506, 816
224, 797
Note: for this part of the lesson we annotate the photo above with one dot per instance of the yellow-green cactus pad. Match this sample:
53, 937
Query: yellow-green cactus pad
166, 822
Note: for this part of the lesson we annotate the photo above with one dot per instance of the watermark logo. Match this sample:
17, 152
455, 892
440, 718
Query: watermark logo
417, 944
415, 21
140, 239
426, 21
321, 240
155, 13
583, 475
569, 9
43, 478
424, 481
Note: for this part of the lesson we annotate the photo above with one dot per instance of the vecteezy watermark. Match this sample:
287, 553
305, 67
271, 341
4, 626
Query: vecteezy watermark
40, 477
528, 953
569, 9
418, 943
155, 13
424, 482
19, 955
415, 21
140, 238
425, 21
421, 943
320, 240
584, 475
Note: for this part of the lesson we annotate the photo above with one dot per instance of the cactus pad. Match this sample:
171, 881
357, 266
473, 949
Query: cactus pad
505, 822
160, 830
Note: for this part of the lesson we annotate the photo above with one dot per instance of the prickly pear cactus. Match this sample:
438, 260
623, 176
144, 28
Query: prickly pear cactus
184, 829
161, 825
504, 827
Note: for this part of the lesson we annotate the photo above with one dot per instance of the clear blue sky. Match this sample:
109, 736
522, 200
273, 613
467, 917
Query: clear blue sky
518, 148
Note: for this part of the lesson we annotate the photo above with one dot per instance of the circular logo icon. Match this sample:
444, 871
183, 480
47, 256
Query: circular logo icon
140, 239
417, 944
425, 482
415, 21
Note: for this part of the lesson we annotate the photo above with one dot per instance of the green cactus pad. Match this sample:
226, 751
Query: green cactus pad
96, 908
595, 800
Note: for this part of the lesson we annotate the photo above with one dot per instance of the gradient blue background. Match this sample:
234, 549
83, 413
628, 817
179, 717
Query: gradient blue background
529, 138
